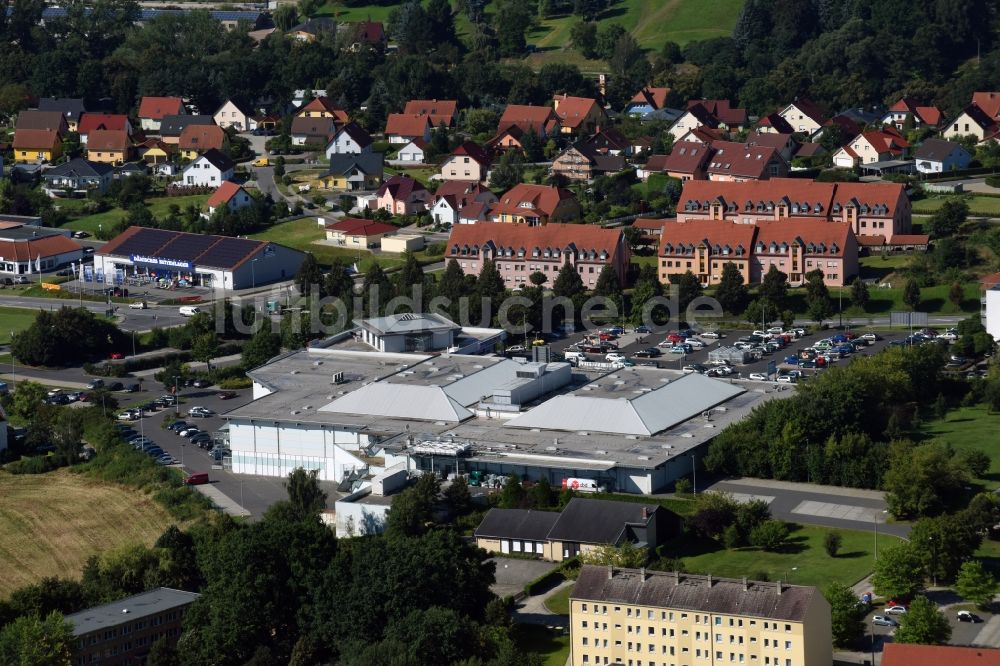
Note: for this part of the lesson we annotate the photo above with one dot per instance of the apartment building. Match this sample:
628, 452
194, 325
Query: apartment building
871, 209
654, 618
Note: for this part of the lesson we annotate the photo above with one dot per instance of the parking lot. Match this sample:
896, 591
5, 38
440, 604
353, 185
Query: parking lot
631, 342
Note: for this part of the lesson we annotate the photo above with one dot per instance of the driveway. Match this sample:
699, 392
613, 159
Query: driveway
513, 574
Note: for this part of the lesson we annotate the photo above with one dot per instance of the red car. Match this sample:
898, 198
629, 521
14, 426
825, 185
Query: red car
675, 338
226, 395
117, 355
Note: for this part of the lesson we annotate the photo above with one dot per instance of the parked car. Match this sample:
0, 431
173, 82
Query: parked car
884, 621
57, 399
757, 376
786, 379
516, 349
177, 426
614, 357
643, 330
895, 610
115, 386
137, 305
201, 383
80, 234
227, 395
710, 335
132, 388
649, 352
189, 432
966, 616
200, 412
196, 478
95, 384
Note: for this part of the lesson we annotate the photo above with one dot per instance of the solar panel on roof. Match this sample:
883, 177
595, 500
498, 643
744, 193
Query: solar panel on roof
228, 252
187, 247
147, 242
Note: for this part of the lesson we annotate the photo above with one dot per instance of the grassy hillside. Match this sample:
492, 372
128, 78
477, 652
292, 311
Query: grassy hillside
51, 523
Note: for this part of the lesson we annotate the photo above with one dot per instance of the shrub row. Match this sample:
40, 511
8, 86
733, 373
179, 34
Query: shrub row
567, 569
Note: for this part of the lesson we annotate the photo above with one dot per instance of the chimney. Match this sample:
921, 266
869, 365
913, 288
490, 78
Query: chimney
710, 580
779, 587
642, 572
677, 577
611, 571
746, 586
645, 513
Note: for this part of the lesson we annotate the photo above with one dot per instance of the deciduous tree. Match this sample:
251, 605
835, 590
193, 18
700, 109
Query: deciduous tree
923, 623
898, 572
846, 617
976, 584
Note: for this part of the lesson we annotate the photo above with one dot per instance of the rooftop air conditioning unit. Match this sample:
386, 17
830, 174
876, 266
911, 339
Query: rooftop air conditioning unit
338, 378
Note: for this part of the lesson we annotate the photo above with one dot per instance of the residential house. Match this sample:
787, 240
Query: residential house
172, 126
773, 123
541, 120
359, 232
687, 161
650, 229
921, 116
518, 250
940, 156
438, 111
732, 161
908, 654
579, 115
974, 122
711, 113
78, 177
312, 131
843, 124
403, 195
108, 146
646, 101
795, 246
784, 144
102, 121
152, 110
313, 29
803, 116
609, 141
129, 169
363, 34
403, 127
351, 139
36, 145
353, 172
511, 138
209, 170
872, 209
989, 102
810, 150
154, 151
230, 115
467, 162
704, 135
70, 108
461, 202
536, 205
264, 122
414, 151
583, 527
654, 164
583, 162
871, 147
700, 618
42, 120
196, 139
695, 117
229, 195
324, 107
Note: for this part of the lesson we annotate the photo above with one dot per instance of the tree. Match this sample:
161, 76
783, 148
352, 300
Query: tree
568, 283
309, 276
846, 618
731, 292
923, 623
68, 435
261, 347
31, 641
413, 508
286, 17
583, 36
304, 494
513, 495
309, 8
817, 296
27, 399
769, 535
859, 294
377, 289
976, 584
162, 652
490, 291
66, 336
774, 288
688, 289
922, 480
832, 542
947, 219
956, 294
458, 497
609, 287
898, 572
626, 555
409, 276
911, 294
976, 461
508, 172
204, 348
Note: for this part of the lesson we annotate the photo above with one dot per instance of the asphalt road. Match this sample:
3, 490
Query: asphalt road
130, 320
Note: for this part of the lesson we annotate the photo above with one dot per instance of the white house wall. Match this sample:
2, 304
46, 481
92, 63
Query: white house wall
266, 449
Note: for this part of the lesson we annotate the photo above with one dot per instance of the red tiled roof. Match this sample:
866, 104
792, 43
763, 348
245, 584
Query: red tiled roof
804, 230
903, 654
556, 236
776, 141
721, 110
910, 239
438, 110
400, 187
989, 102
543, 198
224, 194
326, 105
705, 135
686, 157
740, 159
107, 140
775, 121
44, 246
355, 226
990, 281
97, 121
526, 117
847, 126
406, 125
35, 139
812, 110
809, 150
41, 120
201, 137
462, 190
659, 162
871, 194
572, 111
372, 32
649, 224
713, 232
928, 115
655, 97
157, 107
886, 141
473, 150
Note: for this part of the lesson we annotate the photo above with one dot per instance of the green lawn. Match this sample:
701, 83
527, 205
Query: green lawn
422, 174
15, 320
933, 300
302, 234
558, 603
158, 206
970, 428
978, 205
804, 552
345, 14
535, 639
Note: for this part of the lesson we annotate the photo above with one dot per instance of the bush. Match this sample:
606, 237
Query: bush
683, 486
34, 465
832, 542
234, 383
769, 535
436, 249
993, 181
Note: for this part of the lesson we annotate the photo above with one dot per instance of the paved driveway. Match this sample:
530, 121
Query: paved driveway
513, 574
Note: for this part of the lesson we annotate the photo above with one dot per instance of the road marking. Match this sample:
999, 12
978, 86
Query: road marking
746, 498
840, 511
989, 635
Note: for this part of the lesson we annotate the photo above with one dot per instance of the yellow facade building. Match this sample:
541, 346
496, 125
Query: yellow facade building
636, 617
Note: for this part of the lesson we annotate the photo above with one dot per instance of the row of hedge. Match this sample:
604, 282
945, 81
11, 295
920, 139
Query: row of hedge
554, 577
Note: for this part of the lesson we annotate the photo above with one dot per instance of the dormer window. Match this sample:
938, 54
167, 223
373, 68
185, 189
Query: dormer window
536, 253
834, 249
739, 250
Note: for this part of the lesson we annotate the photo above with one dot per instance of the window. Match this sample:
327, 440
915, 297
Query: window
788, 627
788, 645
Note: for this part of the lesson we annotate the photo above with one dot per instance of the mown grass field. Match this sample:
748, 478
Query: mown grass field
536, 639
970, 428
303, 234
804, 552
978, 205
51, 523
158, 206
14, 320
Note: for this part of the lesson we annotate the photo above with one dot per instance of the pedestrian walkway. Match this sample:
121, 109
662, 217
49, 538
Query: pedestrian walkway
842, 511
222, 501
55, 383
859, 493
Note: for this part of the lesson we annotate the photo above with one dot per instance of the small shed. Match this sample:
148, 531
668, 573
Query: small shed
400, 243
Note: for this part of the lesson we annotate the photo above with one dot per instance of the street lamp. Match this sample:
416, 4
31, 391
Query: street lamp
183, 444
875, 523
694, 475
177, 399
253, 272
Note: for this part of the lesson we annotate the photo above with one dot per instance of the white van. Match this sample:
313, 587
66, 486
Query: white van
189, 310
570, 355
